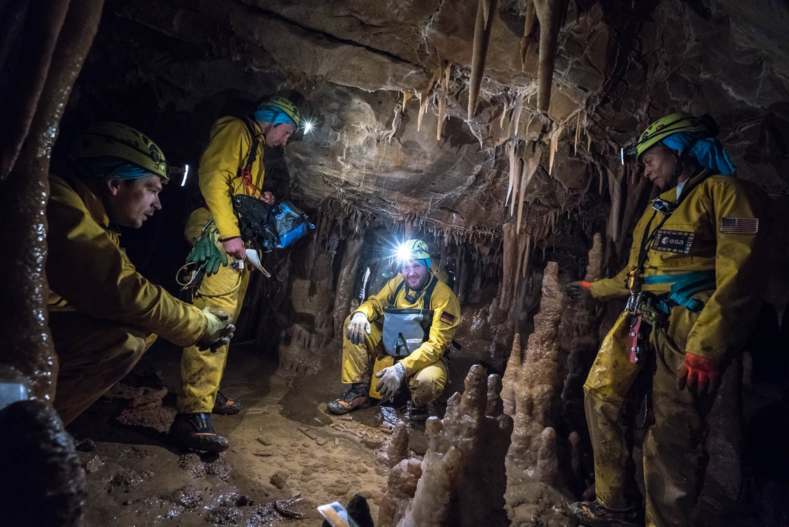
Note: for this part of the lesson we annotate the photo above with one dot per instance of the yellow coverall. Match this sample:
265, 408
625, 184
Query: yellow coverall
220, 180
102, 313
674, 454
424, 368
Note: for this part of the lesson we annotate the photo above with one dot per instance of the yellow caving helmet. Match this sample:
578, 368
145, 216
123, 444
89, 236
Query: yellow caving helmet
108, 139
285, 105
704, 126
413, 250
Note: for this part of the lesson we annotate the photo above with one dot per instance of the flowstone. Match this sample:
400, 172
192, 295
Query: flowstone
463, 479
531, 387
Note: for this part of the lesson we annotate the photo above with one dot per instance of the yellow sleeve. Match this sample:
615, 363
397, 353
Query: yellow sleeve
446, 321
611, 288
373, 307
730, 314
226, 152
87, 268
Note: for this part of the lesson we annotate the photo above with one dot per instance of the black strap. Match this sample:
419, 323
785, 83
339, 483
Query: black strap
253, 149
648, 238
426, 298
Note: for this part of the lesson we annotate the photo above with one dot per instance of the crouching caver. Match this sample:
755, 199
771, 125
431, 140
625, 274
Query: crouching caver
405, 329
102, 313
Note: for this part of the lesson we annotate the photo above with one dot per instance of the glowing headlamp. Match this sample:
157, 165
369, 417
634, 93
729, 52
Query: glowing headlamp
403, 253
307, 127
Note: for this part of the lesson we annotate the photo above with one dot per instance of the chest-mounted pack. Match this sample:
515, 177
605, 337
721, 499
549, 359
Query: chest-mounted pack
405, 329
270, 226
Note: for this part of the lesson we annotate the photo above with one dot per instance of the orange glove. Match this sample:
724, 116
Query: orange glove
699, 374
579, 290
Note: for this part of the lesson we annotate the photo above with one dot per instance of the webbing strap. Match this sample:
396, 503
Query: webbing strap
426, 298
684, 286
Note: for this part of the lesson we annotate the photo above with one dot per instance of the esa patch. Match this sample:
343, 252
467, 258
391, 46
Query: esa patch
673, 241
740, 225
447, 318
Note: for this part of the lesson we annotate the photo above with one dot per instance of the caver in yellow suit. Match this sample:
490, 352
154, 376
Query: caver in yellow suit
231, 165
700, 279
103, 314
425, 369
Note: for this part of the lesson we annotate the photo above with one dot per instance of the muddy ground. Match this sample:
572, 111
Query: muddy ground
283, 446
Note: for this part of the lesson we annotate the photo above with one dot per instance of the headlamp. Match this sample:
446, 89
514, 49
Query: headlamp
403, 253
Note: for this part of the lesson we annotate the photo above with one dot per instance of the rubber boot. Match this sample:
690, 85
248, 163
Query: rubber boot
197, 432
417, 414
354, 398
225, 406
592, 514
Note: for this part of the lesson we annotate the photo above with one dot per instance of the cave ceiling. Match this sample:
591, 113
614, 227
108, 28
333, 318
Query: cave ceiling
363, 67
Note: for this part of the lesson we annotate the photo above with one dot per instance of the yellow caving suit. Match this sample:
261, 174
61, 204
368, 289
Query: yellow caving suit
674, 454
220, 180
424, 369
103, 314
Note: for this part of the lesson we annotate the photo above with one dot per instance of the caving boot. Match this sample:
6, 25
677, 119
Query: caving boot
418, 414
354, 398
225, 406
197, 432
592, 514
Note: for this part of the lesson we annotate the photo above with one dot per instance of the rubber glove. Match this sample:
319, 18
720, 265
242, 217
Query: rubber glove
357, 328
699, 374
391, 380
206, 254
218, 331
579, 290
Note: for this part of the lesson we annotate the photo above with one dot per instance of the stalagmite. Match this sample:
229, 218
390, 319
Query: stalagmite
400, 490
345, 281
480, 51
531, 386
395, 448
462, 481
579, 331
550, 14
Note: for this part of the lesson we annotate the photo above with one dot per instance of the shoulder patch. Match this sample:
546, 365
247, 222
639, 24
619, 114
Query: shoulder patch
447, 318
740, 225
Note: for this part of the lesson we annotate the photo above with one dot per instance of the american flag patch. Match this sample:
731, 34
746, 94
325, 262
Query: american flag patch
740, 225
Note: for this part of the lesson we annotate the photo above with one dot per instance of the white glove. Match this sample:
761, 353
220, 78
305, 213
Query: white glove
357, 328
391, 380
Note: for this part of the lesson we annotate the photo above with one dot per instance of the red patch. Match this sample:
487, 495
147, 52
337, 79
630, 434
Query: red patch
447, 318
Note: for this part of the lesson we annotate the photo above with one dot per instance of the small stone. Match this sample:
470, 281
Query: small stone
93, 464
263, 453
336, 441
346, 418
279, 480
306, 471
361, 469
309, 433
263, 441
321, 441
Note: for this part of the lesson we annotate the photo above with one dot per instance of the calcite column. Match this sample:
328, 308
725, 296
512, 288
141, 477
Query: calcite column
463, 479
531, 387
345, 293
312, 296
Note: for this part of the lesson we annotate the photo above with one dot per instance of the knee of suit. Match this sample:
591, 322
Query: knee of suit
426, 388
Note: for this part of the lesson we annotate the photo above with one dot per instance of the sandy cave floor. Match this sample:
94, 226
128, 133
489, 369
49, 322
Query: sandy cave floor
283, 444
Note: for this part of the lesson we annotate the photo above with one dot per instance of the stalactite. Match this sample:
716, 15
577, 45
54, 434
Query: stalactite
443, 97
516, 115
510, 260
480, 50
529, 168
515, 175
555, 135
528, 31
615, 189
531, 386
345, 281
462, 481
523, 240
550, 14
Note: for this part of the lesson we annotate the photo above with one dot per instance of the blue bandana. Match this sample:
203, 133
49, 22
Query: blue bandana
709, 152
274, 116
